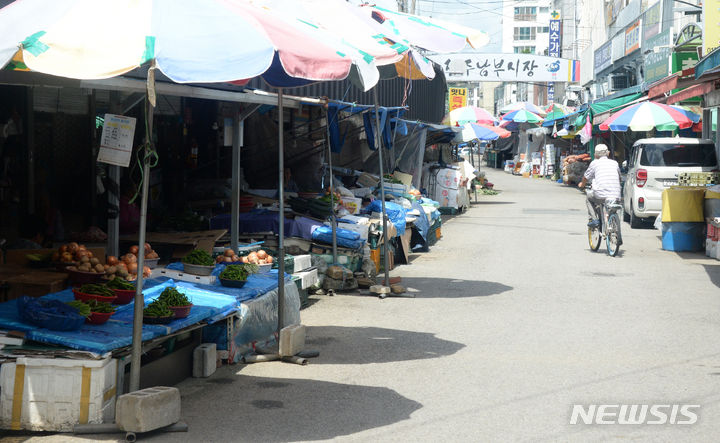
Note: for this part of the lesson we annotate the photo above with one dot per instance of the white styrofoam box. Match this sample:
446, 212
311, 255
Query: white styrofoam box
292, 340
396, 187
352, 204
205, 360
55, 394
308, 278
358, 220
303, 262
362, 192
183, 276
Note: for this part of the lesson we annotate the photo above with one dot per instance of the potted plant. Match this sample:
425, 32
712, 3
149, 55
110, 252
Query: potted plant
198, 262
236, 275
157, 313
176, 301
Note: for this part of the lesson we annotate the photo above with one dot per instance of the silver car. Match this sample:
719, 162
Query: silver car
653, 165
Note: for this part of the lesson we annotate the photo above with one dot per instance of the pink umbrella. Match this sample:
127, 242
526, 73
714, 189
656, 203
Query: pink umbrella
468, 114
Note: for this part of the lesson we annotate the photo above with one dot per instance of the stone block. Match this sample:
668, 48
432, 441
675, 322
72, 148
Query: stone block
364, 282
338, 272
205, 360
397, 289
148, 409
379, 289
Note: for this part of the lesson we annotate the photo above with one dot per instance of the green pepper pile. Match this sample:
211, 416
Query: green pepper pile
97, 289
199, 257
173, 297
120, 283
100, 307
82, 307
157, 309
238, 272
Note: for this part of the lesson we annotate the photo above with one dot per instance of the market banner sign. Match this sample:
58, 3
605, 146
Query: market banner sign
603, 56
651, 22
457, 98
632, 38
711, 25
681, 61
618, 47
657, 62
477, 67
554, 48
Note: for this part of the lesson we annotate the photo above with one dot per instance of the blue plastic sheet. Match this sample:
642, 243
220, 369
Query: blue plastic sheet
395, 212
345, 238
257, 220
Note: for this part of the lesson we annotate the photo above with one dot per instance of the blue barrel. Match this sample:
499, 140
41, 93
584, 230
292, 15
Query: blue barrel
682, 236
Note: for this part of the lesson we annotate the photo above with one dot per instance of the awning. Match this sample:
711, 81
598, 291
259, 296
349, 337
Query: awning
692, 91
710, 64
662, 86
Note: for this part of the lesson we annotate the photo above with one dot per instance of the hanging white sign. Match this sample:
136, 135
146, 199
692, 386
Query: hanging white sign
477, 67
116, 141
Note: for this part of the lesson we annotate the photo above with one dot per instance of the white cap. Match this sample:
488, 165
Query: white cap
601, 149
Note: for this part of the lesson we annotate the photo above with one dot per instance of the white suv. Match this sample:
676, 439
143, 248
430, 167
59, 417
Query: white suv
653, 165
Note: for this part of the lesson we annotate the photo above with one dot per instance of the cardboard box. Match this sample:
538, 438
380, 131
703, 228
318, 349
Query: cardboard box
35, 283
368, 180
352, 204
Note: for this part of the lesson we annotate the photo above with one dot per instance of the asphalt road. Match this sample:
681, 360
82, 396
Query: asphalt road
513, 322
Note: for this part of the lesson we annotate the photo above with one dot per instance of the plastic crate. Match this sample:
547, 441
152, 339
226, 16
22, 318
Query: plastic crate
43, 394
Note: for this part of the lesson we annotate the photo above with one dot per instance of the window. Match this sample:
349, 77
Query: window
679, 155
524, 49
524, 33
525, 13
543, 29
544, 10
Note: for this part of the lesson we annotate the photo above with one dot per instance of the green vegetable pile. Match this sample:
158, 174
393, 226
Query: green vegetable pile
199, 257
157, 309
238, 272
100, 307
172, 297
120, 283
82, 307
96, 289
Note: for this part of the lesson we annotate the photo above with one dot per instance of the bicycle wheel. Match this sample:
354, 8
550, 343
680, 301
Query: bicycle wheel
594, 238
613, 235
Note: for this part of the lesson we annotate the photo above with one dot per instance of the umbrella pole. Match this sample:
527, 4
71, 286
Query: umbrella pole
281, 215
378, 147
235, 194
333, 219
136, 353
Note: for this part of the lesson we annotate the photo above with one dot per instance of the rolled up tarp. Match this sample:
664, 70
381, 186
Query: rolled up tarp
712, 202
684, 205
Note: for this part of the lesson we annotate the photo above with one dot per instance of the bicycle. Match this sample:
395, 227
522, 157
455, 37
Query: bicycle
609, 227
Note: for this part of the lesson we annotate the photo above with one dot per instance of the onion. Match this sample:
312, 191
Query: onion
148, 248
132, 268
269, 259
261, 254
121, 265
73, 247
146, 271
244, 260
134, 249
129, 258
228, 259
220, 259
112, 260
229, 253
252, 255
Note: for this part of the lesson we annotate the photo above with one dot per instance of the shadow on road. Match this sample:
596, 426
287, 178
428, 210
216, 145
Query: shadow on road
713, 272
358, 345
452, 288
283, 409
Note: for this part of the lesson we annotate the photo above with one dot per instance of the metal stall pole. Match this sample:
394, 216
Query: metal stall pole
281, 215
235, 194
378, 147
136, 353
333, 219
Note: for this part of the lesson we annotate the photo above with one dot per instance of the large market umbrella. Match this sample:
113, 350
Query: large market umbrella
527, 106
468, 114
520, 116
472, 131
647, 116
557, 111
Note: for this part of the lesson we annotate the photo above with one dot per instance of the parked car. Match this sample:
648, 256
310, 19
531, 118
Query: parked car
653, 165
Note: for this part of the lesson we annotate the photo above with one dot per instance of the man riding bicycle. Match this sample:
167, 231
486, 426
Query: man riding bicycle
604, 174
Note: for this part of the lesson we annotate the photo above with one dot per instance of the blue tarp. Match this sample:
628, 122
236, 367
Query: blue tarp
421, 226
345, 238
395, 212
257, 220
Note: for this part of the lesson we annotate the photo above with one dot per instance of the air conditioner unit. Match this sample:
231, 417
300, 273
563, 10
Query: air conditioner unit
618, 82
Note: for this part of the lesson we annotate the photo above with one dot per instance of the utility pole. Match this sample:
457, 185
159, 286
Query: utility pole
412, 7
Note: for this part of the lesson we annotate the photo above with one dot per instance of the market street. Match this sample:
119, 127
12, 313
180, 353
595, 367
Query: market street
514, 321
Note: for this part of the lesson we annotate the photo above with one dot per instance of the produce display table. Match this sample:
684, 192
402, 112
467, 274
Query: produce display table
211, 303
